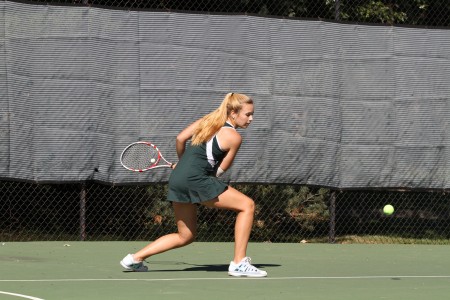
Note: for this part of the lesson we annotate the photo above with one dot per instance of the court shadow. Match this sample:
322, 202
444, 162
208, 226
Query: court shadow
197, 268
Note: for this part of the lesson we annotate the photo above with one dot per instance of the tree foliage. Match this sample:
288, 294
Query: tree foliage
390, 12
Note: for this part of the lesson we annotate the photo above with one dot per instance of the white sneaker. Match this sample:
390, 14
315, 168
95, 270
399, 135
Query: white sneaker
130, 264
245, 269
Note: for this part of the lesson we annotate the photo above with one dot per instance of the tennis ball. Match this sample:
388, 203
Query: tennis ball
388, 209
152, 160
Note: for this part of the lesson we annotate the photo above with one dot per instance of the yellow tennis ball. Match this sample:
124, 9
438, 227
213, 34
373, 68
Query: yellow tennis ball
388, 209
152, 160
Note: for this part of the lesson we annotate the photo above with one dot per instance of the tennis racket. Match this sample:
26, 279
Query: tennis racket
143, 156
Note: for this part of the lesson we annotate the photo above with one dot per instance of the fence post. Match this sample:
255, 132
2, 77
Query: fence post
332, 209
337, 10
83, 212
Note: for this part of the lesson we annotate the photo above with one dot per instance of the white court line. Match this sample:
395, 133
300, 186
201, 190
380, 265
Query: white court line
20, 295
224, 278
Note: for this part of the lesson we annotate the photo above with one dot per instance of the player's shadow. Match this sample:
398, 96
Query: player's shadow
152, 267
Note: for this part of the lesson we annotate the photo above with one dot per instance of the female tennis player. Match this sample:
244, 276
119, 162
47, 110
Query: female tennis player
214, 145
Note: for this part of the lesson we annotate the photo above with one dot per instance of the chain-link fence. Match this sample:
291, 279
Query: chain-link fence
284, 214
411, 12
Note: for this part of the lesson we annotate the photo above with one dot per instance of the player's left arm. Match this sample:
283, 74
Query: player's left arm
231, 144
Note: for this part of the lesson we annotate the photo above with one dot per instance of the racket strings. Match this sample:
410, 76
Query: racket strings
140, 156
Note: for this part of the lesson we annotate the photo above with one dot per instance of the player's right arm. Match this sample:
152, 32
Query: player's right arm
183, 137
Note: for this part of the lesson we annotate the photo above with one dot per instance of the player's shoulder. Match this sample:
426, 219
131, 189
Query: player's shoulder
230, 136
231, 131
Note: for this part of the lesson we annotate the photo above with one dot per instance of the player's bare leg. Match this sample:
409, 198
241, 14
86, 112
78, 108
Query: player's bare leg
186, 219
234, 200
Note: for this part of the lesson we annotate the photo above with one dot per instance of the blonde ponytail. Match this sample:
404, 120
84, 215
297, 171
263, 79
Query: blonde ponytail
212, 122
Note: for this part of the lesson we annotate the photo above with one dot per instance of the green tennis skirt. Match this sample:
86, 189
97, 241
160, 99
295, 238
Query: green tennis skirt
188, 186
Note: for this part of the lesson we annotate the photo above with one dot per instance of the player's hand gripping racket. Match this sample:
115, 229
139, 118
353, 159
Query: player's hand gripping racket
143, 156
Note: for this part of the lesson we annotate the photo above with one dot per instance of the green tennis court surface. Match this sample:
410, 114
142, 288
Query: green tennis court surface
91, 270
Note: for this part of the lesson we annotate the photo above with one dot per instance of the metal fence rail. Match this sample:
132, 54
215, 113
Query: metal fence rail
285, 213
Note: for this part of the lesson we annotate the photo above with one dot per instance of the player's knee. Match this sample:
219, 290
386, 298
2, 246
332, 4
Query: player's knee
186, 238
250, 206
